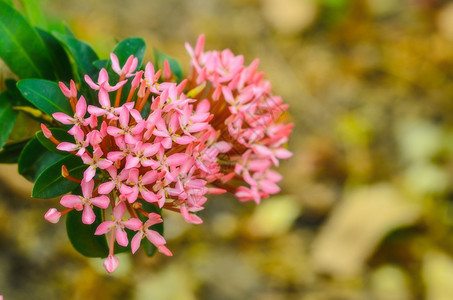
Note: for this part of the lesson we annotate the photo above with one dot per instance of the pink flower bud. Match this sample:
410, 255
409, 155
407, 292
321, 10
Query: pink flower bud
71, 92
46, 131
52, 215
167, 71
111, 263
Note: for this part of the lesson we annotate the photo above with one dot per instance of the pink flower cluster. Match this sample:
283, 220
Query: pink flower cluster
249, 117
218, 130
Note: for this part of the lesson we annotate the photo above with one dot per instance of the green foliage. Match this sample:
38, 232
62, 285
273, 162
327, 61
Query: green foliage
33, 159
7, 118
175, 67
60, 134
45, 95
33, 13
60, 60
130, 46
21, 47
10, 152
50, 183
82, 235
81, 52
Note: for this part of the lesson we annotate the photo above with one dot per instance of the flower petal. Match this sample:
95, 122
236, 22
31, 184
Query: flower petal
88, 215
70, 201
101, 201
104, 227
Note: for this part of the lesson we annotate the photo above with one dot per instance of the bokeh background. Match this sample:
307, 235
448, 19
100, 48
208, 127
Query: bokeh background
365, 210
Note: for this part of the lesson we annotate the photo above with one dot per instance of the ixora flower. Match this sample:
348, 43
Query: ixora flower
168, 145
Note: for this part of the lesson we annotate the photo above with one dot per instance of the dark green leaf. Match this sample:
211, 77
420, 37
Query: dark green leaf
100, 63
7, 118
51, 184
81, 52
82, 235
15, 95
175, 67
10, 152
45, 95
61, 135
21, 47
34, 158
59, 58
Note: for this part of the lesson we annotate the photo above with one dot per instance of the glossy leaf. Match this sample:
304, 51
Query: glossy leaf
51, 184
61, 135
175, 67
82, 235
100, 63
21, 47
34, 158
45, 95
33, 13
7, 118
60, 59
15, 96
11, 152
81, 52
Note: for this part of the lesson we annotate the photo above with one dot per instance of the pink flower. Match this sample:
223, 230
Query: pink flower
128, 68
117, 181
52, 215
131, 133
71, 92
153, 236
94, 162
138, 185
103, 82
78, 119
118, 225
85, 202
111, 263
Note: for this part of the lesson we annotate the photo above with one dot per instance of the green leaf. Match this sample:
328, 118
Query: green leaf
9, 2
61, 135
21, 47
7, 118
82, 236
33, 13
15, 95
130, 46
34, 158
100, 63
60, 59
45, 95
175, 67
51, 184
10, 152
81, 52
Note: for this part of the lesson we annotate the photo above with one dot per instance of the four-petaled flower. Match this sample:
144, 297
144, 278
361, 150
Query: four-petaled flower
85, 202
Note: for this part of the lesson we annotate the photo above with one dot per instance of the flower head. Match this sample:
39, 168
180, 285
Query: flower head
218, 130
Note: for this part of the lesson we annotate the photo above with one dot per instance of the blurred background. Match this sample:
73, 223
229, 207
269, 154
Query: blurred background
366, 208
